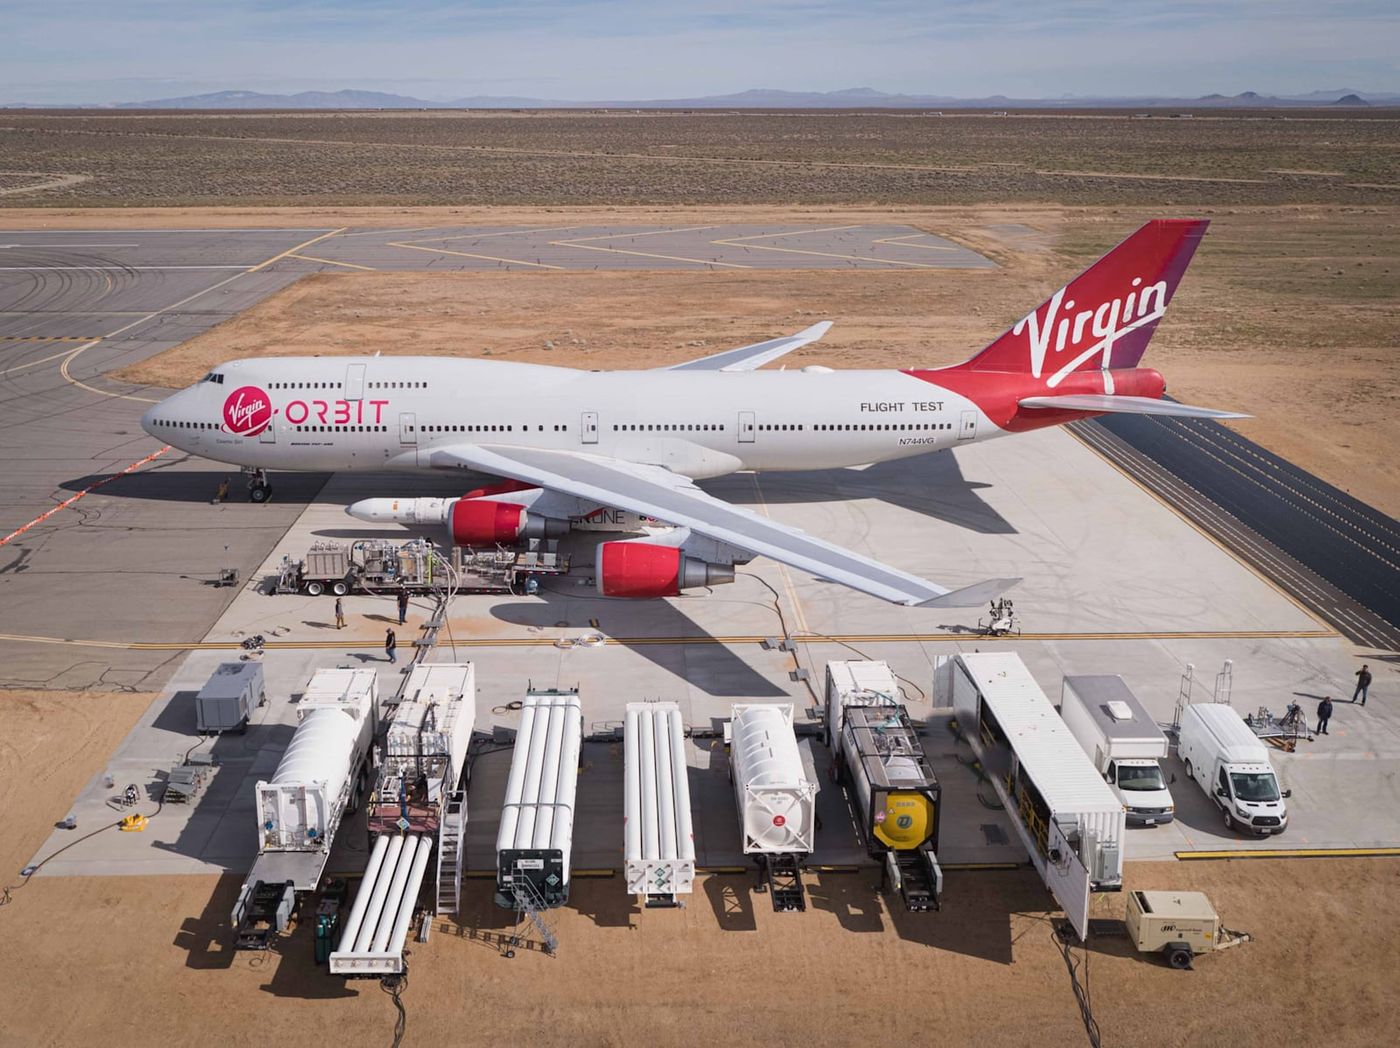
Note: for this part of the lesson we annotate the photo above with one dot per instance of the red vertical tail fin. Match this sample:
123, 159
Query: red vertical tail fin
1104, 317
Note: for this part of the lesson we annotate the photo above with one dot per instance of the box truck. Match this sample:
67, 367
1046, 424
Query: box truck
1124, 743
1229, 762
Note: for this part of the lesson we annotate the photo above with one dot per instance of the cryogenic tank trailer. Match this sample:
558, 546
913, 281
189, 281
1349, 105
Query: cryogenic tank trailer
882, 765
777, 801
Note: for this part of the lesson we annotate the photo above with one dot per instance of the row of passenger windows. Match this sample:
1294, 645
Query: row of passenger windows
341, 429
485, 429
168, 424
334, 385
902, 427
671, 428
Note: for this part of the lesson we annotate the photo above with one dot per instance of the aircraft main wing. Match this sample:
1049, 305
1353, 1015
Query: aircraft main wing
746, 358
659, 493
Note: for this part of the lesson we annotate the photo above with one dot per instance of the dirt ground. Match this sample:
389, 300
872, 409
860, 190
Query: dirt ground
1288, 313
145, 960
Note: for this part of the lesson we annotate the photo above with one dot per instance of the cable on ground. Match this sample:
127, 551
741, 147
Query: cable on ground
1063, 937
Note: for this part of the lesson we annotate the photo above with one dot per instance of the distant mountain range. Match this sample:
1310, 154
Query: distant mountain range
758, 98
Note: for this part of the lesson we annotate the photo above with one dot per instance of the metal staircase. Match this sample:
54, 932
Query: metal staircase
530, 903
449, 852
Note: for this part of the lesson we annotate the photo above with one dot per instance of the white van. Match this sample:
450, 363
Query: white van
1229, 762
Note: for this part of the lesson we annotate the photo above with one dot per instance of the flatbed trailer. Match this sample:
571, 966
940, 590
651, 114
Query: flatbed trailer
416, 566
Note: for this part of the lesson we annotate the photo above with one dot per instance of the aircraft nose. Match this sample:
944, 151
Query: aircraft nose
148, 420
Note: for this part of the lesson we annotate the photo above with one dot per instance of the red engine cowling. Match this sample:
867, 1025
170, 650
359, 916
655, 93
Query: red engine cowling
643, 569
481, 522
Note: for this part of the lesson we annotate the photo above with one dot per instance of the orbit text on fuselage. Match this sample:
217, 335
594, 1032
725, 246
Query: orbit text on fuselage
335, 412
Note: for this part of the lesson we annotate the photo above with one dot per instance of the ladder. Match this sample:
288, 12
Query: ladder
1224, 682
449, 852
530, 903
785, 884
1183, 696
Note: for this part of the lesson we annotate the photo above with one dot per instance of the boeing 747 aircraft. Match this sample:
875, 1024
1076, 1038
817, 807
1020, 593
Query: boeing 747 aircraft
574, 446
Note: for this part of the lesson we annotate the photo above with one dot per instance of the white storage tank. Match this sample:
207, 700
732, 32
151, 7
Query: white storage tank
535, 841
776, 799
301, 805
658, 839
864, 682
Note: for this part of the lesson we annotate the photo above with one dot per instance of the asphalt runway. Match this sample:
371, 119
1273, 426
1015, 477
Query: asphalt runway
1335, 554
134, 558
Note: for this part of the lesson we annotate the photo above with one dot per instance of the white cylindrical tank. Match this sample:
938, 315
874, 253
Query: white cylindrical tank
776, 799
300, 807
535, 840
659, 846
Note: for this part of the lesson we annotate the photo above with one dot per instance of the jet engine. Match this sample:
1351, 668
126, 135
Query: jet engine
634, 568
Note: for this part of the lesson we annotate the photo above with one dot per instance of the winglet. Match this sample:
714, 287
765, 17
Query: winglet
973, 596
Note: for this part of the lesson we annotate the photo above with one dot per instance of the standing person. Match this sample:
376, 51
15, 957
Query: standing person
403, 604
1324, 714
391, 646
1363, 684
339, 614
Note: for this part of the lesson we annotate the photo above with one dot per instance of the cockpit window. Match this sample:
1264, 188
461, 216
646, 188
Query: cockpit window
214, 377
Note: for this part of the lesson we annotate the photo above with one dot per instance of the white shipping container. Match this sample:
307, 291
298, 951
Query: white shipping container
300, 807
659, 843
434, 721
864, 682
538, 815
776, 799
1047, 753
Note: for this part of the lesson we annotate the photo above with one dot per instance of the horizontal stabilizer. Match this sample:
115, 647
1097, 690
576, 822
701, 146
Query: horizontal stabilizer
973, 596
1126, 405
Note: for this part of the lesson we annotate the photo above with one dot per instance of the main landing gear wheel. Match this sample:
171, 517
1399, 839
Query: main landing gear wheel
260, 492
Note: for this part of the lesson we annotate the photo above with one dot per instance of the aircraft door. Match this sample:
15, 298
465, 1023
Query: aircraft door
588, 429
408, 429
269, 433
967, 429
747, 427
355, 382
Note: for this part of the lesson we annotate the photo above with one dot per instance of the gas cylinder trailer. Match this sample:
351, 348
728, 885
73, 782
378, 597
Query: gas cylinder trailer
1070, 821
425, 748
659, 844
535, 841
856, 683
372, 943
896, 796
317, 781
382, 566
777, 801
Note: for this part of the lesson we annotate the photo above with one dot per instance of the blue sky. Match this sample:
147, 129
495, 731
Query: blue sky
123, 50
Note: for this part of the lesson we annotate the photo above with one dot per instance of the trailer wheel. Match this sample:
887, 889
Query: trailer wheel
315, 588
1178, 956
340, 588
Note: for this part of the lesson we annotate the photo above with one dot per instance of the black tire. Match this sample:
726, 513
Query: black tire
340, 589
1229, 819
315, 588
260, 492
1188, 770
1179, 957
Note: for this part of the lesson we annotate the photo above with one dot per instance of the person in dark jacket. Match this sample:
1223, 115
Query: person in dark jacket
339, 614
403, 605
1324, 714
1363, 685
391, 646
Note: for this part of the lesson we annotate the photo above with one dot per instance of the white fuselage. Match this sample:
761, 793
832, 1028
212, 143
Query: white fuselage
339, 413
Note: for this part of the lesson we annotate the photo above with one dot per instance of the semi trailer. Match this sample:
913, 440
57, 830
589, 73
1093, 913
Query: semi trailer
659, 845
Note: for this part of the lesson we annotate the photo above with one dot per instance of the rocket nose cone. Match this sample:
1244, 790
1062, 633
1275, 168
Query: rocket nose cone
370, 509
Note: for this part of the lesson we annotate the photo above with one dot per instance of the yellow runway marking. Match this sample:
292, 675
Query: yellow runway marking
782, 568
789, 233
468, 254
358, 644
299, 247
332, 262
1291, 853
497, 233
904, 242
